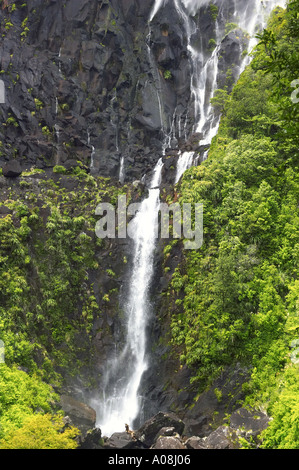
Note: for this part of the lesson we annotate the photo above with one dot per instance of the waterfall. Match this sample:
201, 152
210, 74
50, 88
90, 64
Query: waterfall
92, 158
92, 153
57, 133
59, 62
252, 23
121, 403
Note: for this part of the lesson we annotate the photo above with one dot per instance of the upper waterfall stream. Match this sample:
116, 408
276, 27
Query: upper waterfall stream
121, 402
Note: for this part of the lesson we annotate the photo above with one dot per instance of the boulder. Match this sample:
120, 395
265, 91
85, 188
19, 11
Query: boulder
195, 442
12, 169
151, 428
167, 431
71, 164
223, 438
4, 210
198, 427
249, 423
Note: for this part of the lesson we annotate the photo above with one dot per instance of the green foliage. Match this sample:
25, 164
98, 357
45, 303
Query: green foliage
278, 57
38, 103
59, 169
253, 110
283, 430
214, 11
21, 396
220, 99
46, 299
212, 44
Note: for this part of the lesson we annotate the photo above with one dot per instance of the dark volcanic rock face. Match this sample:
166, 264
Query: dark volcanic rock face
93, 81
70, 71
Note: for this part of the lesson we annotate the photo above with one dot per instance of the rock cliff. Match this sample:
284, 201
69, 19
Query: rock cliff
97, 81
105, 83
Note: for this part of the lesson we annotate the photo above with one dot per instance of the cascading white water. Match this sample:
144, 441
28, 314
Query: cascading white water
59, 62
205, 66
252, 19
121, 403
92, 158
185, 161
92, 153
253, 23
121, 176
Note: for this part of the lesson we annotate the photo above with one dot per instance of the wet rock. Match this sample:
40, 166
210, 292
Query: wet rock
71, 164
195, 442
197, 427
200, 418
82, 415
249, 423
86, 70
151, 428
230, 57
168, 442
4, 210
223, 438
12, 169
92, 440
167, 431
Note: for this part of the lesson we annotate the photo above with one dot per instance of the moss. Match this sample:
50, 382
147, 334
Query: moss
59, 169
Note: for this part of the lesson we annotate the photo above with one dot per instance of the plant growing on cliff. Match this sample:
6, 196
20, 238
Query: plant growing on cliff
212, 44
214, 11
25, 28
230, 27
21, 396
42, 432
220, 99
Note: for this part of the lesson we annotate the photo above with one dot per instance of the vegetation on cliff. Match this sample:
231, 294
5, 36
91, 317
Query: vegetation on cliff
48, 307
237, 297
